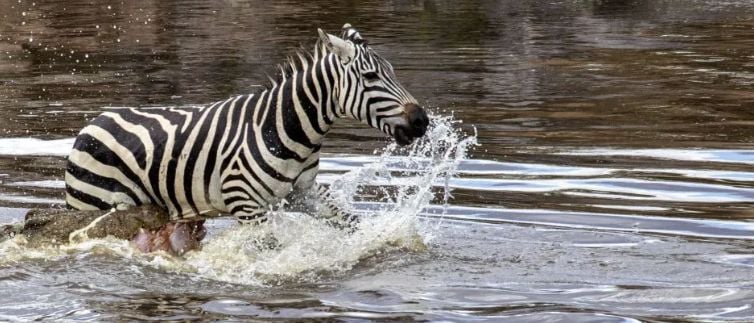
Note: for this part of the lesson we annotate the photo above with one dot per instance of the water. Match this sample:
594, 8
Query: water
613, 180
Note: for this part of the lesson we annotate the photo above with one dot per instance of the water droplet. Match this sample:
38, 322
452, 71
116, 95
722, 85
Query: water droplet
109, 7
118, 40
96, 26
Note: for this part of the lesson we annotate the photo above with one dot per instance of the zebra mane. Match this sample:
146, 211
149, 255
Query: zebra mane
295, 63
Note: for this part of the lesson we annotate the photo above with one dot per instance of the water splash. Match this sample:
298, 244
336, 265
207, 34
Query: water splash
308, 248
299, 247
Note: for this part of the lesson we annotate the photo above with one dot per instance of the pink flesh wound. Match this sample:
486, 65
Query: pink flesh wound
175, 238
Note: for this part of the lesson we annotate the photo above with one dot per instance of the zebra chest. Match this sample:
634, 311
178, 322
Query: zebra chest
255, 184
287, 173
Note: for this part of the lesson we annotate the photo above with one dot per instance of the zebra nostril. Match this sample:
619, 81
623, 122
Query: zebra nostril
419, 121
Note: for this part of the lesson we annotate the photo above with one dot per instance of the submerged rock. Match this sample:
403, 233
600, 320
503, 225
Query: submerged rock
51, 226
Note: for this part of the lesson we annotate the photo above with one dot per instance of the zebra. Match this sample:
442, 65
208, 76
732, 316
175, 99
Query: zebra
241, 155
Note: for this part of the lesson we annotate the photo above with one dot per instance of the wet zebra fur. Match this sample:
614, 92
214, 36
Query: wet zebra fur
240, 155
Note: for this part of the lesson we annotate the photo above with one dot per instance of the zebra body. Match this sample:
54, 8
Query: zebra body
242, 154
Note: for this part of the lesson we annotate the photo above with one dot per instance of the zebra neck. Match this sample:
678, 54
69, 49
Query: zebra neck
305, 101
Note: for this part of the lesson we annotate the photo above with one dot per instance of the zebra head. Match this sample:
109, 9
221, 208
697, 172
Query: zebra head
368, 90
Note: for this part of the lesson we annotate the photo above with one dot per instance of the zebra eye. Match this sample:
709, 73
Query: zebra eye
371, 76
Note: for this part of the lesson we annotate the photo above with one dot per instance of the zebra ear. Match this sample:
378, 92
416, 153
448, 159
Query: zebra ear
350, 33
345, 50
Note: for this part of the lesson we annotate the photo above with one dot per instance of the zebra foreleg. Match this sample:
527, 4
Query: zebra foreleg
318, 201
332, 211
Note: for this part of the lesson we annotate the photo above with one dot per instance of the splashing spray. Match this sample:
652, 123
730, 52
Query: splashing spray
404, 180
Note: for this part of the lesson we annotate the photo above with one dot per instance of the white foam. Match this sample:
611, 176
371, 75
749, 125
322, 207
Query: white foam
43, 184
35, 147
29, 199
307, 248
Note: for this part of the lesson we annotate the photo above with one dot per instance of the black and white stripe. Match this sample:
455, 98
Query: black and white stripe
242, 154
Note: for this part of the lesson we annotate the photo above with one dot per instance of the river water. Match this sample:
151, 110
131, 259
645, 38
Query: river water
613, 178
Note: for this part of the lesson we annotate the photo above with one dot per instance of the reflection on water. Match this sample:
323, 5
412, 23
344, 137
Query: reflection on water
613, 182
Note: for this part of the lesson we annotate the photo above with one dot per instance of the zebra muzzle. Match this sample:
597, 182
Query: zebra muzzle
418, 121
